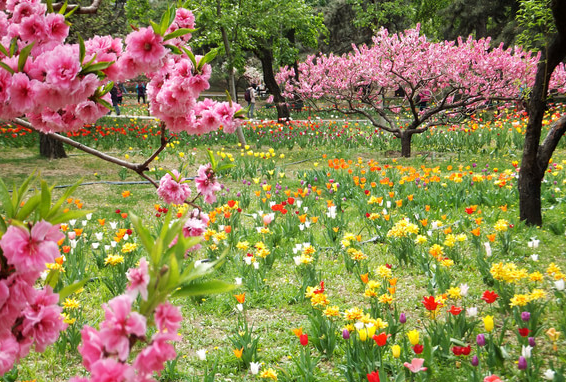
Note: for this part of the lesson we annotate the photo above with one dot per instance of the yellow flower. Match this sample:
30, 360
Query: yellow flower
488, 323
413, 337
396, 351
67, 320
114, 260
319, 299
536, 276
269, 374
454, 293
501, 225
520, 300
363, 333
386, 299
243, 245
537, 294
384, 272
332, 311
71, 304
353, 314
129, 247
552, 334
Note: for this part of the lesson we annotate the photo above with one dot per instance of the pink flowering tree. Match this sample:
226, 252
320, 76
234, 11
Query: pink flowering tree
53, 87
452, 78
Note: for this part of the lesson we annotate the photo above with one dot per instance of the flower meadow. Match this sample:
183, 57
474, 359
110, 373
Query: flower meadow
347, 263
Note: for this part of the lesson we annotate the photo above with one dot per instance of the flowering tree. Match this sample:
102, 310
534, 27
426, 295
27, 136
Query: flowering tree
458, 77
53, 87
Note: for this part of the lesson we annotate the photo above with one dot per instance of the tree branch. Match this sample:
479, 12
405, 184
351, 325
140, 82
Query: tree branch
91, 9
550, 142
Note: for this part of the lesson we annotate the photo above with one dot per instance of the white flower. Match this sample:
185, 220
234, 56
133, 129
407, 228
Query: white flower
526, 351
307, 224
464, 290
359, 325
297, 260
331, 212
533, 243
113, 244
472, 311
74, 243
238, 281
487, 248
388, 204
113, 225
248, 260
299, 203
534, 257
83, 222
201, 354
126, 237
95, 245
107, 248
559, 284
88, 216
549, 374
254, 367
72, 221
99, 235
240, 307
256, 265
302, 227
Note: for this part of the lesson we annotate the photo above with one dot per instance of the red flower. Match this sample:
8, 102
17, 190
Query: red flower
457, 350
466, 350
373, 377
418, 348
489, 296
430, 303
380, 339
304, 339
455, 310
291, 200
461, 350
524, 332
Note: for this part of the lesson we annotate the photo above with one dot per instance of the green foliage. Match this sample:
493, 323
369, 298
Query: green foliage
535, 18
110, 19
394, 15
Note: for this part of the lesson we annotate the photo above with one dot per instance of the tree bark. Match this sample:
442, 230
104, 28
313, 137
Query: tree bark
406, 137
266, 58
535, 156
51, 148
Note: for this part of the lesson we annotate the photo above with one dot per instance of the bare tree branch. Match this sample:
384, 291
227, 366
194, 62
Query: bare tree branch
91, 9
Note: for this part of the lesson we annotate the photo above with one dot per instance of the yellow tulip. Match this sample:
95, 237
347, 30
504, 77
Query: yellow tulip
363, 333
552, 334
413, 337
488, 323
396, 350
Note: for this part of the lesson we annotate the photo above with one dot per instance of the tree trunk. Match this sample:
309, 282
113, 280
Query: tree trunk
51, 148
406, 137
536, 156
266, 58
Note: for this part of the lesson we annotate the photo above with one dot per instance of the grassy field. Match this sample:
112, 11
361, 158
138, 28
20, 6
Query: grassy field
379, 231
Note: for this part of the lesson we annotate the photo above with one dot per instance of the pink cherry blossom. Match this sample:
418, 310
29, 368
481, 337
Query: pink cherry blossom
207, 184
30, 251
167, 317
153, 357
91, 347
9, 350
111, 370
173, 189
146, 47
139, 280
120, 322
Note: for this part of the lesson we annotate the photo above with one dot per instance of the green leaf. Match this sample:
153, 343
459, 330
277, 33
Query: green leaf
191, 56
204, 288
13, 46
50, 6
82, 49
156, 27
178, 33
143, 233
45, 199
174, 273
4, 51
71, 12
28, 207
70, 215
55, 209
212, 159
24, 54
104, 103
226, 166
6, 200
96, 67
5, 66
64, 7
19, 195
3, 226
52, 278
173, 49
70, 289
207, 58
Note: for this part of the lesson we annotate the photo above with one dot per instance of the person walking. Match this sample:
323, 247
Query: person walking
115, 99
140, 88
249, 96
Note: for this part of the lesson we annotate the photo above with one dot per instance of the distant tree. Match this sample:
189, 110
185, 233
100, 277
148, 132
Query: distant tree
109, 19
536, 22
394, 15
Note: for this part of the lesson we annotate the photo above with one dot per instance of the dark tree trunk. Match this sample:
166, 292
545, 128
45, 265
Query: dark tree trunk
266, 58
406, 137
51, 148
535, 155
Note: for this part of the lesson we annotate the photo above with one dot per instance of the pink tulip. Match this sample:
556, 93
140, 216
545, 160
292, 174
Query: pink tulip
416, 365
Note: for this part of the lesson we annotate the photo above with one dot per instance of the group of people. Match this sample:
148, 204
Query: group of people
117, 94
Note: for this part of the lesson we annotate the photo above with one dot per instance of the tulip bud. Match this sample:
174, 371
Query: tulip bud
475, 361
532, 342
402, 318
525, 316
480, 339
346, 334
522, 363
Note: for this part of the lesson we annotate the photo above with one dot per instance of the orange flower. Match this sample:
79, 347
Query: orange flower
491, 237
476, 231
303, 218
60, 242
126, 194
64, 227
393, 281
314, 219
399, 202
59, 260
240, 297
238, 352
101, 221
410, 197
228, 229
79, 205
479, 221
70, 200
298, 332
447, 230
391, 194
424, 222
365, 278
66, 249
124, 215
78, 231
503, 208
427, 208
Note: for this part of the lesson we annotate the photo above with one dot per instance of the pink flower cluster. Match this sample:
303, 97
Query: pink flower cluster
55, 94
106, 351
207, 184
29, 316
173, 188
